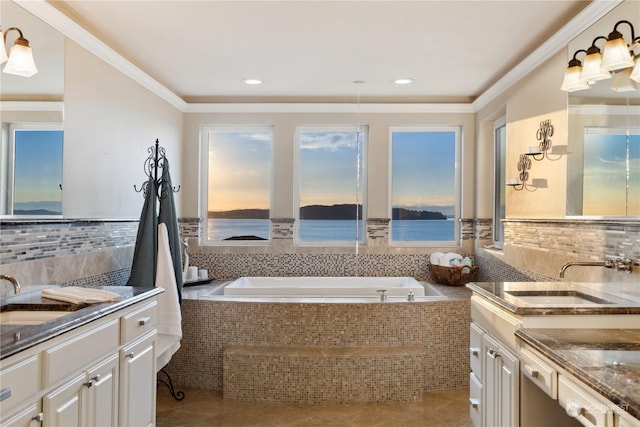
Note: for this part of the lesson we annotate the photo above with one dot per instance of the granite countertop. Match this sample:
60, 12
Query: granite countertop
607, 360
552, 298
16, 338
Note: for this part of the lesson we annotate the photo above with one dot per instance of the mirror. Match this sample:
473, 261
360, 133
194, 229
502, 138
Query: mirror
603, 162
32, 121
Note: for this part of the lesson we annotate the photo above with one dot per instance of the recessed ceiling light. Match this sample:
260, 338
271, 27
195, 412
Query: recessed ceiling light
252, 81
403, 81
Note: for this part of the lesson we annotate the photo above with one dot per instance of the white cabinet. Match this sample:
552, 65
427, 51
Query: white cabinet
138, 383
494, 381
31, 416
100, 374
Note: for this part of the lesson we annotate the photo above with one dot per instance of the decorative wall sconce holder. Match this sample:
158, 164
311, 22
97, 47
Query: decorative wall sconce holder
543, 149
520, 183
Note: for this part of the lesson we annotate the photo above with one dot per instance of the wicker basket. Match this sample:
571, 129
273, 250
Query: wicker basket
456, 275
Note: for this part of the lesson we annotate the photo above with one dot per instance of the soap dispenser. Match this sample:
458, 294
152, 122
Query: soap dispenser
411, 296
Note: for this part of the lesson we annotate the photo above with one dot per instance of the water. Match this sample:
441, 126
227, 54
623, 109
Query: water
335, 230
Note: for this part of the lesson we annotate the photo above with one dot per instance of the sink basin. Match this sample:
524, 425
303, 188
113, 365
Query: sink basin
29, 317
558, 298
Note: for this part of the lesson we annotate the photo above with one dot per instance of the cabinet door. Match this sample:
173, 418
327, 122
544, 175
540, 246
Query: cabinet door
63, 406
509, 395
501, 384
138, 383
491, 371
102, 393
28, 417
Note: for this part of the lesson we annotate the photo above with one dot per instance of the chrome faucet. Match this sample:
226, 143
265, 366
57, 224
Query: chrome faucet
13, 280
383, 294
618, 264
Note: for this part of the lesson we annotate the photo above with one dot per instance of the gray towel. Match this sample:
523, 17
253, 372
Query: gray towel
143, 268
168, 217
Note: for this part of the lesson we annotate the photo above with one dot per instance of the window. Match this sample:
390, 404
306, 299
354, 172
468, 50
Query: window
500, 153
330, 183
236, 192
611, 184
32, 169
424, 185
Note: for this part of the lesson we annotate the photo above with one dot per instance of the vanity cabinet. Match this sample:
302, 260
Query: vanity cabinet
566, 400
494, 381
99, 374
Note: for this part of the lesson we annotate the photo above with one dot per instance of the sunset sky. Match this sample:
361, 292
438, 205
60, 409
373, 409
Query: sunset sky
38, 165
240, 175
605, 175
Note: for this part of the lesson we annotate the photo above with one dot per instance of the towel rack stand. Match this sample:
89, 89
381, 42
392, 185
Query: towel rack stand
154, 161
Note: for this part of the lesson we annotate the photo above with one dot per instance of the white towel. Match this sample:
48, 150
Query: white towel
78, 295
169, 314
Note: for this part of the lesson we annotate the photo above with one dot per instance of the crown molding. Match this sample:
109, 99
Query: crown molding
604, 110
31, 106
327, 108
589, 15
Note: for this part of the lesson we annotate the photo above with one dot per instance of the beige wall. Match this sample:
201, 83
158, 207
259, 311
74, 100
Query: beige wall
532, 100
109, 122
284, 133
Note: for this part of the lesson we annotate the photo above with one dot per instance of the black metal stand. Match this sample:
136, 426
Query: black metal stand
177, 395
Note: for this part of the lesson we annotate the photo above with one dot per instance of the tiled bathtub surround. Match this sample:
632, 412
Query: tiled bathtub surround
438, 328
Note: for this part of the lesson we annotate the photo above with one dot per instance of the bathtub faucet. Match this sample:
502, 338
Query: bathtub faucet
383, 294
619, 264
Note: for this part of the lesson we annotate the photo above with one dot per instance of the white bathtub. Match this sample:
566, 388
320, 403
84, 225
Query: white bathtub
327, 287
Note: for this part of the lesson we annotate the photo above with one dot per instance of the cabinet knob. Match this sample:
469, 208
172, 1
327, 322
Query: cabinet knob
474, 351
38, 418
130, 355
474, 403
5, 393
144, 321
573, 409
530, 371
493, 354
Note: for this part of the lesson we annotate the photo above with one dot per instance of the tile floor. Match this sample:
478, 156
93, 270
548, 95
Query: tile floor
447, 408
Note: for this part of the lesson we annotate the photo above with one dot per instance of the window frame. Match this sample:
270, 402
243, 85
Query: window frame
457, 129
361, 195
7, 157
203, 201
499, 183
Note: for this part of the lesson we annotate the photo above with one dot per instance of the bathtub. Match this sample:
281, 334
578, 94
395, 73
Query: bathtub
327, 287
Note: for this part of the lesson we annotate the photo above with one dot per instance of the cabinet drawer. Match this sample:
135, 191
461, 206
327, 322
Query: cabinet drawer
582, 406
539, 372
475, 350
475, 400
626, 420
138, 322
18, 382
76, 353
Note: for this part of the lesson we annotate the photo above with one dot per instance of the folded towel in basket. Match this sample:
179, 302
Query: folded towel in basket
77, 295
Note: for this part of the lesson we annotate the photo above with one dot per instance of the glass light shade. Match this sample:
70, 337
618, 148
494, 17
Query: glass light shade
572, 81
635, 74
592, 70
622, 83
616, 55
3, 51
21, 61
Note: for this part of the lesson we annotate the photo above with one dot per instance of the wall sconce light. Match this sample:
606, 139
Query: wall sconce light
618, 57
20, 59
520, 183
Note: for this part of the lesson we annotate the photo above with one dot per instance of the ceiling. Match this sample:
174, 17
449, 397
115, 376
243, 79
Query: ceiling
313, 51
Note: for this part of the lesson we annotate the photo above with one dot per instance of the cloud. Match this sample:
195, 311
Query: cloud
330, 141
